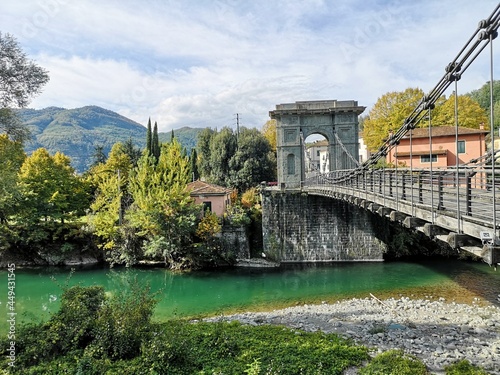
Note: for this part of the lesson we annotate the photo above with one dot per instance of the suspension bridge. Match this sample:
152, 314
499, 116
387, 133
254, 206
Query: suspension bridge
458, 205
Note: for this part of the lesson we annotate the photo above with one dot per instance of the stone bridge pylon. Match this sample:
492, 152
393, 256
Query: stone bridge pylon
336, 120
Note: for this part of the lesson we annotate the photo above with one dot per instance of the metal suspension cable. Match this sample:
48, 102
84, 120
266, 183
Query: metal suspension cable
486, 31
493, 159
356, 163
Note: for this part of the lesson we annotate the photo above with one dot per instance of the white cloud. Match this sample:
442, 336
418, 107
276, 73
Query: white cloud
197, 63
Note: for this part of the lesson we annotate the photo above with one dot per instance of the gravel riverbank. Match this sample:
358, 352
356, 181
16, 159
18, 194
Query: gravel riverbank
437, 332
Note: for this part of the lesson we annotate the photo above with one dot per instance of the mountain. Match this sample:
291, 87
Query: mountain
76, 132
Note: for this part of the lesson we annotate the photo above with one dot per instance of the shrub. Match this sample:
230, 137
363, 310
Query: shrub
170, 350
464, 367
90, 324
68, 330
394, 362
123, 323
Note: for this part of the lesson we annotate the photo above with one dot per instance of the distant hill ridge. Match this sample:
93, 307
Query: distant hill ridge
76, 132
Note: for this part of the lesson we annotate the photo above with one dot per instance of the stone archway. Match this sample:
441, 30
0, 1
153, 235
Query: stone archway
335, 120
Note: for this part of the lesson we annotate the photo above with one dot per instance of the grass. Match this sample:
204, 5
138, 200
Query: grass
93, 333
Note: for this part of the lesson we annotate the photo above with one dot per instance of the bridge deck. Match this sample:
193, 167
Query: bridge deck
458, 208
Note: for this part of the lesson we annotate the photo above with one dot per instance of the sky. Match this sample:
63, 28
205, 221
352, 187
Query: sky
199, 63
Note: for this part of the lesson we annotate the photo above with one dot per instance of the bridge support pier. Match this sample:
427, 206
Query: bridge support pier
384, 211
491, 255
413, 222
398, 216
298, 227
457, 240
432, 230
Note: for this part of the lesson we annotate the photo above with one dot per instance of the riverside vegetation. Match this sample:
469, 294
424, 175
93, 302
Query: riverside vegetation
95, 333
133, 205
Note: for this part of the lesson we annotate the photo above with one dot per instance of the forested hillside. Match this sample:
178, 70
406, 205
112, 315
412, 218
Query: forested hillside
76, 132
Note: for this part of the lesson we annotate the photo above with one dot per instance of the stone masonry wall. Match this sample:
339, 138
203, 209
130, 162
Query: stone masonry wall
298, 227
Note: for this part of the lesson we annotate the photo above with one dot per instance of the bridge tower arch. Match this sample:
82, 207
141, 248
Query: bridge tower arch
336, 120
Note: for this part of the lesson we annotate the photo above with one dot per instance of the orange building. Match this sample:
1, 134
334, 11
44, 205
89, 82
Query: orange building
213, 197
471, 145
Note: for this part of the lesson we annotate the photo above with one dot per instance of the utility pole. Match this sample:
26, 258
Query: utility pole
237, 125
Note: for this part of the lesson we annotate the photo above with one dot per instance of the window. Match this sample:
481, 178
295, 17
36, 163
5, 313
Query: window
461, 147
427, 158
207, 206
290, 161
317, 153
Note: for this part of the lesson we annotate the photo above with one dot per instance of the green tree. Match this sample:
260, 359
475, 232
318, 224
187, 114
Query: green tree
252, 162
163, 212
388, 114
99, 156
155, 143
193, 161
118, 166
149, 138
133, 152
222, 148
111, 198
12, 126
203, 149
482, 96
11, 158
470, 114
496, 115
51, 188
106, 208
20, 78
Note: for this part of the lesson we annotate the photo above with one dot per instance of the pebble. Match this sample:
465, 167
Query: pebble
437, 332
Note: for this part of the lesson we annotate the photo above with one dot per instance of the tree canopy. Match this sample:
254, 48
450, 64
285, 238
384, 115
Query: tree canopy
11, 158
482, 96
470, 114
269, 131
252, 162
20, 78
238, 162
51, 189
391, 109
388, 114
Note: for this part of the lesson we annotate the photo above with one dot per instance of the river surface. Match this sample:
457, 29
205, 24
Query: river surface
196, 294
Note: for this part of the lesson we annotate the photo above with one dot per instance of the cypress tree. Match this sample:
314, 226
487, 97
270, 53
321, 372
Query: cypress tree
172, 136
194, 165
149, 138
155, 146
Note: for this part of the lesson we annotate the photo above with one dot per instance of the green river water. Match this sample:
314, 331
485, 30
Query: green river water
38, 291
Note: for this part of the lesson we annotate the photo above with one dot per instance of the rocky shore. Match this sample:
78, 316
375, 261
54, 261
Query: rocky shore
437, 332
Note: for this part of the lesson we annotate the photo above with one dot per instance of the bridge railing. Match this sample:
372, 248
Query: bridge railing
466, 193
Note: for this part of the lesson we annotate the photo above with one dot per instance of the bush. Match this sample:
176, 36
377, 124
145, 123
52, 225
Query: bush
90, 326
123, 323
68, 330
464, 367
394, 362
171, 350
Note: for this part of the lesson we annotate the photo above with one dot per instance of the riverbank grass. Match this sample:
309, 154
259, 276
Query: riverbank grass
95, 334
